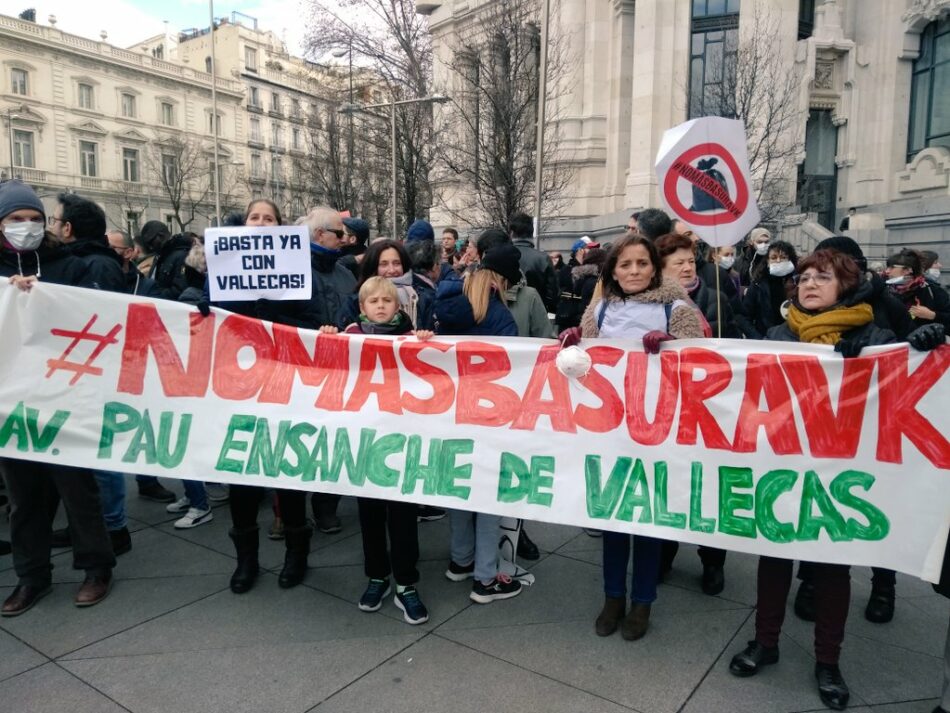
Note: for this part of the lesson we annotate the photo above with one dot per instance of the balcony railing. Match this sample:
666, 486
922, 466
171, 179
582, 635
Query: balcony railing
90, 182
29, 175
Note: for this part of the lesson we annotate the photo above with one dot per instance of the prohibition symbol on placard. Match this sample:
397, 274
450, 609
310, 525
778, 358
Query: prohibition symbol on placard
716, 198
703, 177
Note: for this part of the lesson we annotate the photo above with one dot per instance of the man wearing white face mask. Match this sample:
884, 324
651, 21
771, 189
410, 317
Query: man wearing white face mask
29, 255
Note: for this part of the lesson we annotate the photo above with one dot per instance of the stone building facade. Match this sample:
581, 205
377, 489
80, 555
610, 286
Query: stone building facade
871, 88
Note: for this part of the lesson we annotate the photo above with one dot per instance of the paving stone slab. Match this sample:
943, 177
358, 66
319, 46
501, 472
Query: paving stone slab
656, 673
55, 626
439, 675
265, 615
16, 657
288, 678
50, 689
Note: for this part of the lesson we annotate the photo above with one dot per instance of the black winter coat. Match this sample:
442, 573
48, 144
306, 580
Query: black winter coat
49, 263
932, 297
168, 267
103, 265
760, 307
705, 298
575, 300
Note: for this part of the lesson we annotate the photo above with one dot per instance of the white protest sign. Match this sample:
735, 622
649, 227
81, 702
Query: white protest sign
257, 262
703, 172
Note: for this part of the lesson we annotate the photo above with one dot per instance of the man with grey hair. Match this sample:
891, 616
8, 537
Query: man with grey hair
333, 283
136, 283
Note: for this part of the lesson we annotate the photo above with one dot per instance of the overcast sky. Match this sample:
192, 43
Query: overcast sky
128, 21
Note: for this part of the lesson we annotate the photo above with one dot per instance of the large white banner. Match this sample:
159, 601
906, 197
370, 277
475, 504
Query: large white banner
763, 447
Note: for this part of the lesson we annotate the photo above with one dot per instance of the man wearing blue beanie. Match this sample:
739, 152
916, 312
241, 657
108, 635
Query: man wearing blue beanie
420, 230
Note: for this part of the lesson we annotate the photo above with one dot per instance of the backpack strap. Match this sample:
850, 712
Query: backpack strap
668, 308
601, 315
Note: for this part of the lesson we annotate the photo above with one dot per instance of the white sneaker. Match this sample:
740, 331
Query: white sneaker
217, 492
193, 518
180, 505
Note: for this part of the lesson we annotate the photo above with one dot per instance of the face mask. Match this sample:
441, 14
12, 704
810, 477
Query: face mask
934, 273
24, 236
761, 248
726, 263
781, 269
897, 280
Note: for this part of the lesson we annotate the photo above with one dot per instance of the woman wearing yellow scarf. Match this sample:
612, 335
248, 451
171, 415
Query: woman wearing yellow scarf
829, 308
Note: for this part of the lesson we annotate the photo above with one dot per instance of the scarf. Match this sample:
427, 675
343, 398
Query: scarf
916, 283
828, 326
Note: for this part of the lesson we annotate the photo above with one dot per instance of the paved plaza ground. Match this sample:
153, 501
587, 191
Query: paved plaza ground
172, 637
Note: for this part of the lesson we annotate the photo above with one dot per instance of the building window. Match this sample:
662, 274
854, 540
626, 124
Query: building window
170, 222
86, 96
19, 81
296, 139
87, 158
128, 105
208, 65
275, 134
215, 173
169, 169
275, 176
212, 124
159, 52
257, 168
255, 99
806, 18
23, 154
250, 59
295, 108
132, 222
275, 102
168, 114
930, 90
130, 165
712, 67
255, 130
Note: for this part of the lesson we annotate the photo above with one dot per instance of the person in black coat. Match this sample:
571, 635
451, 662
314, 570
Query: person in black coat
925, 302
81, 225
583, 280
168, 262
764, 302
29, 254
535, 265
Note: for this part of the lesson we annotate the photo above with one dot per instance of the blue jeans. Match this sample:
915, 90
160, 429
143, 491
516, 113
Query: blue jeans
195, 492
646, 566
475, 538
112, 497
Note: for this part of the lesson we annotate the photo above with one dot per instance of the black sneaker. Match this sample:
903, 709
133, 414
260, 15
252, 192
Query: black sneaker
427, 513
752, 658
413, 610
459, 573
153, 490
376, 591
501, 587
121, 541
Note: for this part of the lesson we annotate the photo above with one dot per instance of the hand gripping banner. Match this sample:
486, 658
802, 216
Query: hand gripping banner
763, 447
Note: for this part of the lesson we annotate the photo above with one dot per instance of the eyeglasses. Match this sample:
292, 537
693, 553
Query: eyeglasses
338, 233
819, 278
52, 220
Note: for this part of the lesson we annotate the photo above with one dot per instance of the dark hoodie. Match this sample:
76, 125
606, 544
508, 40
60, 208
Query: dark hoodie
168, 268
51, 263
453, 313
103, 265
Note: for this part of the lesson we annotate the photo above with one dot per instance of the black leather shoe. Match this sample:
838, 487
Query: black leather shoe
880, 608
832, 689
527, 550
5, 548
61, 538
714, 579
805, 601
753, 657
121, 541
23, 599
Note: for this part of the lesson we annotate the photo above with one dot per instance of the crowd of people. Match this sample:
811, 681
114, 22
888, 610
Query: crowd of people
658, 282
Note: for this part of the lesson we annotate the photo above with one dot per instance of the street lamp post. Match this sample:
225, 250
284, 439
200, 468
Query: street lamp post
349, 139
391, 105
214, 119
539, 144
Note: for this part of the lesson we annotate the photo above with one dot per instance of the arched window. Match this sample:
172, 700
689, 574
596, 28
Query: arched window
930, 90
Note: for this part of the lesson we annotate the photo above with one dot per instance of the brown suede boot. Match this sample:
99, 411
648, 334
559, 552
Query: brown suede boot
609, 618
635, 624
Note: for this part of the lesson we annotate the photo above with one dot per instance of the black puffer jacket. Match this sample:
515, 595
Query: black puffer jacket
761, 305
705, 298
932, 297
168, 267
50, 263
573, 302
103, 265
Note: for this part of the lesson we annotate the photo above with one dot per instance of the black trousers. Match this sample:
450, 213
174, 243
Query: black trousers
707, 555
31, 487
880, 578
245, 500
379, 518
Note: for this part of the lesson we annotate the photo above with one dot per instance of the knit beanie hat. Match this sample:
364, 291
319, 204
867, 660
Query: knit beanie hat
359, 228
420, 230
846, 245
505, 260
16, 195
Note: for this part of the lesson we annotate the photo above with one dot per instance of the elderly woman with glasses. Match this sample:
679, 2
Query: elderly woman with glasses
830, 306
